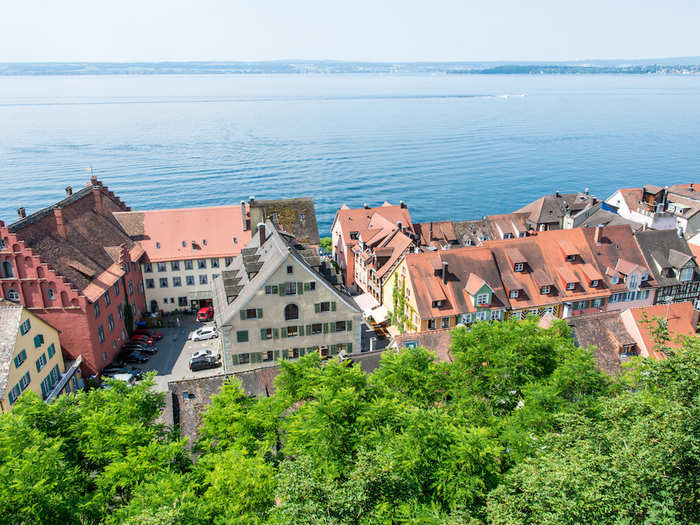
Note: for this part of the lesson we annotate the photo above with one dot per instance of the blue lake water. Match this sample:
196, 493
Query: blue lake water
451, 147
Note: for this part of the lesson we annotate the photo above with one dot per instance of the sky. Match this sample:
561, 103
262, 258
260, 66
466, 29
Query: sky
371, 30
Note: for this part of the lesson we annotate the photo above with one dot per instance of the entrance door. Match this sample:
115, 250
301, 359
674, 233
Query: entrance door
154, 305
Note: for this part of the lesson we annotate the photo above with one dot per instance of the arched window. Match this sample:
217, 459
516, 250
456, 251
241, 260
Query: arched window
13, 295
6, 270
291, 312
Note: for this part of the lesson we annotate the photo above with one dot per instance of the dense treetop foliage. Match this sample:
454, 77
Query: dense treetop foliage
520, 428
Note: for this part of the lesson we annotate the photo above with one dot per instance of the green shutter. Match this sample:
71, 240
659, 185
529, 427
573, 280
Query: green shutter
332, 325
259, 313
300, 288
348, 326
243, 317
332, 306
308, 329
301, 330
276, 354
234, 359
285, 354
334, 349
284, 331
306, 287
317, 308
349, 345
275, 333
256, 357
325, 328
263, 334
281, 289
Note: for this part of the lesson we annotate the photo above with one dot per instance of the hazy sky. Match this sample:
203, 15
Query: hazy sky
377, 30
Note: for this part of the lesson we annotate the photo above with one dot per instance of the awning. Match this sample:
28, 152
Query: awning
380, 314
366, 302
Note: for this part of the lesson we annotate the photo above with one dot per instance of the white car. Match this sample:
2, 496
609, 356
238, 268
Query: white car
207, 332
208, 352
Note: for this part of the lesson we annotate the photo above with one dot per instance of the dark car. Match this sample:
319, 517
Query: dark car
153, 334
204, 363
122, 369
150, 350
135, 357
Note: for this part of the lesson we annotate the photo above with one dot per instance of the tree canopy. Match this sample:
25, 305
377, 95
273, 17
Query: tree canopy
521, 427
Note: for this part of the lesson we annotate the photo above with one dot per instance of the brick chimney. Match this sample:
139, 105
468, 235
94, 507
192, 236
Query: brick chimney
444, 272
243, 216
596, 237
60, 224
21, 212
97, 195
261, 231
124, 258
69, 191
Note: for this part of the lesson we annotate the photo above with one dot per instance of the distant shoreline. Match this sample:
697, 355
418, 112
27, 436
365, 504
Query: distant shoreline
679, 66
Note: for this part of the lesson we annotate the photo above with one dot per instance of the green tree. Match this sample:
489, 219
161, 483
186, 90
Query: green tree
327, 244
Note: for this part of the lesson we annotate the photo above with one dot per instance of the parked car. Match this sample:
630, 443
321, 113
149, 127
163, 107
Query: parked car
156, 335
137, 338
135, 357
204, 363
113, 369
131, 347
205, 314
204, 333
207, 352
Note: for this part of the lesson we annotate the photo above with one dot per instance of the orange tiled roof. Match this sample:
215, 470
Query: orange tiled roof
682, 320
360, 219
162, 233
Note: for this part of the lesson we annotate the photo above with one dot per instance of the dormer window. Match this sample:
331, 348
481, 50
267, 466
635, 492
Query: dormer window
570, 286
594, 283
545, 290
632, 281
514, 294
354, 235
519, 267
437, 304
645, 277
615, 279
571, 258
507, 235
522, 234
686, 274
482, 299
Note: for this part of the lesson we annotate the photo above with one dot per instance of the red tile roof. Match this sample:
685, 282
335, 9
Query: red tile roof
682, 320
361, 219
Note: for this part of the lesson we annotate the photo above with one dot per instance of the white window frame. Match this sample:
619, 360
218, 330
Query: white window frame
570, 286
685, 271
519, 267
482, 299
514, 294
545, 290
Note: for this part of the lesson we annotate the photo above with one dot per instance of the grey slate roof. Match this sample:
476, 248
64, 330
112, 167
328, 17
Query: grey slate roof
664, 248
296, 216
10, 316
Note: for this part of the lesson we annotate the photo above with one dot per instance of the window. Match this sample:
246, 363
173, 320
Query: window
96, 307
141, 286
51, 293
294, 353
161, 267
437, 304
570, 286
110, 322
229, 260
466, 318
323, 307
158, 246
214, 276
6, 270
116, 288
508, 235
290, 289
51, 350
214, 263
243, 359
38, 340
265, 333
242, 336
12, 295
340, 326
3, 245
496, 315
20, 358
101, 334
354, 236
24, 382
570, 258
514, 294
519, 267
203, 279
431, 324
316, 328
163, 282
204, 242
177, 281
545, 290
597, 303
482, 315
201, 264
268, 356
482, 299
25, 327
686, 274
275, 216
290, 331
189, 280
251, 313
310, 287
633, 282
182, 301
271, 290
175, 266
188, 264
594, 283
445, 322
41, 363
291, 312
150, 283
131, 291
615, 279
290, 268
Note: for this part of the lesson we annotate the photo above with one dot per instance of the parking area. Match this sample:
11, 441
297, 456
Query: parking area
174, 352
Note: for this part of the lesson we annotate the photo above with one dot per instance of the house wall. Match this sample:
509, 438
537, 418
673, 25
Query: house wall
273, 306
624, 305
29, 365
401, 272
185, 296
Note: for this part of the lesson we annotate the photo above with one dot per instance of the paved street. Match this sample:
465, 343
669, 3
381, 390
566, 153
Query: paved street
174, 352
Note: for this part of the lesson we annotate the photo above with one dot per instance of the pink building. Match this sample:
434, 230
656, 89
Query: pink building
72, 265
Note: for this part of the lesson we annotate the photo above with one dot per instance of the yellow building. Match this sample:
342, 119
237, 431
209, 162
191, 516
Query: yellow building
30, 355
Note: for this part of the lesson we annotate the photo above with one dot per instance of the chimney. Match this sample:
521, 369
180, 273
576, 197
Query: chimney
444, 272
430, 238
243, 216
557, 194
596, 237
366, 206
60, 225
21, 212
97, 195
399, 225
251, 199
402, 204
261, 231
69, 191
586, 192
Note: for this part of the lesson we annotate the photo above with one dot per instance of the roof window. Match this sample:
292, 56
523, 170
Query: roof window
158, 245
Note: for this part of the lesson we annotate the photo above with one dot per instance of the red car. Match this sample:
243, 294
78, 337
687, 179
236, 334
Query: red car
153, 334
137, 338
205, 314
